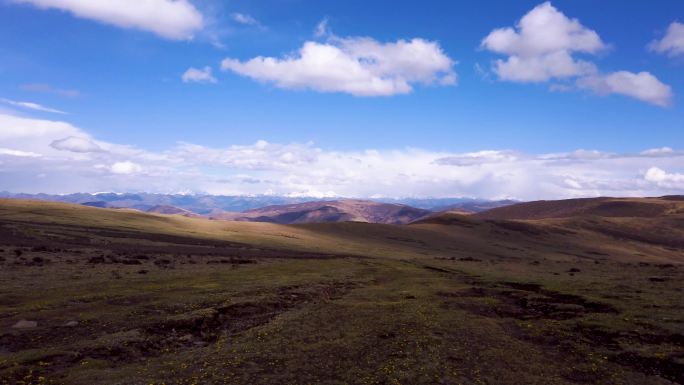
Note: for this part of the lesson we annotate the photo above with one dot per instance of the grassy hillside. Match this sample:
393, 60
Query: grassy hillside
603, 207
103, 296
330, 211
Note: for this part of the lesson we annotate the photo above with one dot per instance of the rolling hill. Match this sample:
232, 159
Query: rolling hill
171, 210
119, 296
601, 207
206, 204
475, 206
330, 211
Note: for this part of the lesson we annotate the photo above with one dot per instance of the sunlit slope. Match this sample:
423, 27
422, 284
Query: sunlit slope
656, 239
601, 207
334, 239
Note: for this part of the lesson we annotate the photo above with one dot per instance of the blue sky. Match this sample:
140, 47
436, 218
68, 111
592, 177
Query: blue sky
415, 85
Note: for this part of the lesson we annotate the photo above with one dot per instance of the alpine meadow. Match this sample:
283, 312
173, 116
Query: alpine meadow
341, 192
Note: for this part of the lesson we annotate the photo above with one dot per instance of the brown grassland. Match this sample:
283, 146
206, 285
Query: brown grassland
593, 295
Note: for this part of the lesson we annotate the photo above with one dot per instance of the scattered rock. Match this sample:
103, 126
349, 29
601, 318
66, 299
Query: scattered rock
24, 324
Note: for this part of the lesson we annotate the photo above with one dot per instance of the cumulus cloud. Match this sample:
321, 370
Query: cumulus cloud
32, 106
76, 144
357, 66
244, 19
662, 178
642, 86
196, 75
672, 44
543, 47
70, 161
171, 19
126, 167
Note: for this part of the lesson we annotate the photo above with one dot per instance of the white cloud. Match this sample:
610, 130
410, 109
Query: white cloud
195, 75
542, 68
260, 156
76, 144
662, 178
18, 128
58, 140
577, 155
27, 148
642, 86
542, 47
573, 184
479, 157
32, 106
244, 19
10, 152
171, 19
672, 43
126, 168
357, 66
662, 151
